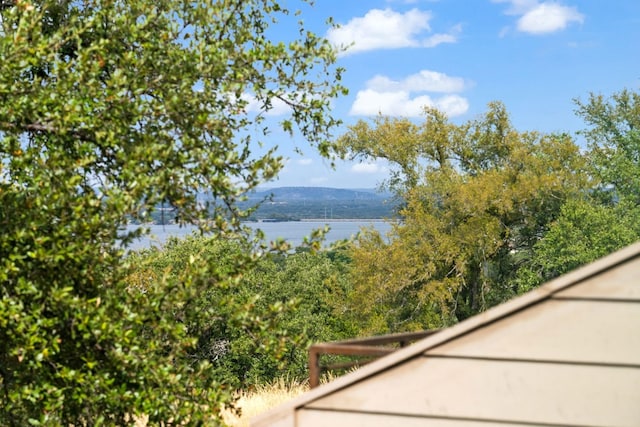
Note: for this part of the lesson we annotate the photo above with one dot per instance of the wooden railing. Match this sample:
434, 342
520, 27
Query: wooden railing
364, 350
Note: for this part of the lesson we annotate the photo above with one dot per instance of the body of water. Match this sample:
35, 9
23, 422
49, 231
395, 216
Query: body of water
293, 232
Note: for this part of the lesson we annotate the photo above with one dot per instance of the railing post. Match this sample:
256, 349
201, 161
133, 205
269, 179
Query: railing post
314, 367
373, 347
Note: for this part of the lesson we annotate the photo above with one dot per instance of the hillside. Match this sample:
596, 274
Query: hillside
318, 194
298, 203
302, 203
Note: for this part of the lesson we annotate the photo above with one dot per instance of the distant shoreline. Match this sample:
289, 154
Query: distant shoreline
270, 220
293, 232
344, 220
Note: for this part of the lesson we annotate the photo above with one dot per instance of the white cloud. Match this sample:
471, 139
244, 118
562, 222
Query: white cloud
542, 18
383, 95
387, 29
305, 162
425, 80
548, 18
452, 105
437, 39
370, 102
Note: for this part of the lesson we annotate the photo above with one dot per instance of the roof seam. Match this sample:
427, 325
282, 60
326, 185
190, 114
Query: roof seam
596, 299
540, 361
444, 417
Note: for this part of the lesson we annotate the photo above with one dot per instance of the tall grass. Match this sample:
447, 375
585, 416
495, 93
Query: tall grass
263, 398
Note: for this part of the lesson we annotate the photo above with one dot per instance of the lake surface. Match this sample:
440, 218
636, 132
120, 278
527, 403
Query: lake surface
292, 231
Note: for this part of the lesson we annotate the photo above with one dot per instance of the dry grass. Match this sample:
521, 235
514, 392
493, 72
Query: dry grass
263, 398
259, 400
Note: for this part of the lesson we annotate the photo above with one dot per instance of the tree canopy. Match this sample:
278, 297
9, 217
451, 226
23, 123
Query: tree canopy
107, 109
613, 134
609, 218
478, 196
293, 294
489, 211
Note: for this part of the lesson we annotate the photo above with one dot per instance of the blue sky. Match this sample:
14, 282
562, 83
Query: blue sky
535, 56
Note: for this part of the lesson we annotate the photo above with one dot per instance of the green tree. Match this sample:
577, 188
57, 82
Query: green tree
584, 232
613, 135
609, 219
478, 197
293, 294
299, 292
108, 108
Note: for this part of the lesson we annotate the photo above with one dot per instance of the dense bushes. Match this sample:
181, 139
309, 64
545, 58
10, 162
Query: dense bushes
108, 110
289, 300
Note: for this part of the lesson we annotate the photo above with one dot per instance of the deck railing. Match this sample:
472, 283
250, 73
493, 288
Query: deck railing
363, 350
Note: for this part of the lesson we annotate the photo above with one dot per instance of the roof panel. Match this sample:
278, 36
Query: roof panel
498, 391
320, 418
621, 282
565, 330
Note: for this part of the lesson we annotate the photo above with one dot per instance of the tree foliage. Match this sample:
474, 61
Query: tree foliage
292, 298
613, 135
478, 197
609, 219
584, 231
108, 108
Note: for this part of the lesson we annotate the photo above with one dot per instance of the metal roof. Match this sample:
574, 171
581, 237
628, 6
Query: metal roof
564, 354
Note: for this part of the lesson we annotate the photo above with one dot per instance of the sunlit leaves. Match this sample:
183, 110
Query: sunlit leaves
477, 196
247, 338
583, 232
614, 135
107, 110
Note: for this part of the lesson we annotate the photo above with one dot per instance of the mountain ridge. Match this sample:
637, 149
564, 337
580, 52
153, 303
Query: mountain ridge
290, 193
297, 203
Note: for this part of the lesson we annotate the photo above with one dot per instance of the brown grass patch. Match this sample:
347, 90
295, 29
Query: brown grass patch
263, 398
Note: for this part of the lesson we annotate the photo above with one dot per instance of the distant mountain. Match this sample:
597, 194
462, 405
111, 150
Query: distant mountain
299, 203
286, 194
302, 203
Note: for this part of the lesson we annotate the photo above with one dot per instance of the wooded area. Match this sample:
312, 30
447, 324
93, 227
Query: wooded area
110, 109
